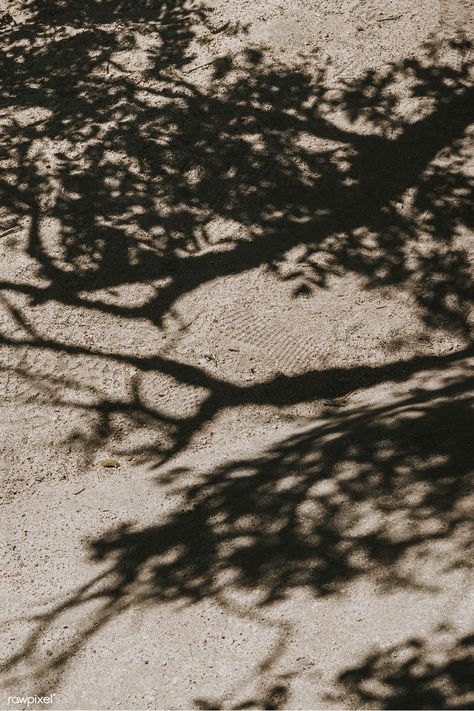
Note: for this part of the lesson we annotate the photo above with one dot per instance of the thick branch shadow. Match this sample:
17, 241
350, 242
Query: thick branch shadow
118, 174
121, 179
140, 165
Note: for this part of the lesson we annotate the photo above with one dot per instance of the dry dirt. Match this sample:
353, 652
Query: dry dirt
236, 260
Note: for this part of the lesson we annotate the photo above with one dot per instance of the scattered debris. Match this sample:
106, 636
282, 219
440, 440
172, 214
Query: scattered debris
220, 58
221, 28
109, 463
389, 19
8, 231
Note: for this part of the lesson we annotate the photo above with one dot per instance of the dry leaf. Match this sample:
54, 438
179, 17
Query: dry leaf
111, 463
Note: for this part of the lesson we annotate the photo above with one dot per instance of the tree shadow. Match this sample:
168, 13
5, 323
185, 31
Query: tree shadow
130, 169
377, 493
434, 673
119, 174
116, 173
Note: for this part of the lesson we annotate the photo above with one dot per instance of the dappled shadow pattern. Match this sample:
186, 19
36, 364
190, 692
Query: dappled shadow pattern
434, 673
122, 172
119, 170
275, 696
380, 492
350, 497
118, 173
168, 433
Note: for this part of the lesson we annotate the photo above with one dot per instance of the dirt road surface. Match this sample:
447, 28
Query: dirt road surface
236, 354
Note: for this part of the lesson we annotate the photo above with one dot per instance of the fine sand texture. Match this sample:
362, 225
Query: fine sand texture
236, 354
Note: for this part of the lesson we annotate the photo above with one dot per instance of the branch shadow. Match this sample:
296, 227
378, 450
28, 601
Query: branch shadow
432, 673
131, 169
118, 172
376, 492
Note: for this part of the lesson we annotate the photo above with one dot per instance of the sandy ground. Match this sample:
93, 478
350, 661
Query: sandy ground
236, 261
